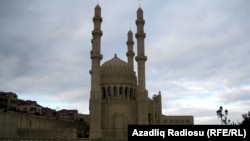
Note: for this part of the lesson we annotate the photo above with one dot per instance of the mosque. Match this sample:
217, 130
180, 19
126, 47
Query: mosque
119, 97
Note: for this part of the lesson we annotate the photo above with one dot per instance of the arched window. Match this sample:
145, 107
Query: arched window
134, 92
103, 93
149, 118
115, 91
109, 92
126, 92
131, 93
120, 91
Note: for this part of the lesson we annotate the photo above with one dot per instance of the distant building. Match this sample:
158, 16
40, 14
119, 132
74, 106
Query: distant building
8, 101
154, 109
177, 120
29, 106
84, 117
48, 112
67, 114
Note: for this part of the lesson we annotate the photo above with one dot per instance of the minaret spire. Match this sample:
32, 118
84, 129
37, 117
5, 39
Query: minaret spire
140, 58
142, 97
130, 54
95, 94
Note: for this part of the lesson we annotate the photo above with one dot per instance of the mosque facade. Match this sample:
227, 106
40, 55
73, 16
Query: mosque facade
118, 96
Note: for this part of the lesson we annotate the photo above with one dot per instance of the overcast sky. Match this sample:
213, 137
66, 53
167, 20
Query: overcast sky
198, 52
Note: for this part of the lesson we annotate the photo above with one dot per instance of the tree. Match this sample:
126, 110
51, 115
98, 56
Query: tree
223, 115
246, 119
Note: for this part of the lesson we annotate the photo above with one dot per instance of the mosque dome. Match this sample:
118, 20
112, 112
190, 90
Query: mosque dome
117, 71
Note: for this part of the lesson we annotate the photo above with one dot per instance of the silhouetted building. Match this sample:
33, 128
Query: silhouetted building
48, 112
8, 101
29, 106
67, 114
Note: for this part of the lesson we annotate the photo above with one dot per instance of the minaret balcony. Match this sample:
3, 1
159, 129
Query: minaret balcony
141, 58
97, 19
130, 53
140, 34
97, 33
130, 42
96, 56
140, 21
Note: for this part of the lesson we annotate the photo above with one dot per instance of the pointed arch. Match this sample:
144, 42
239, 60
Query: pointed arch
103, 93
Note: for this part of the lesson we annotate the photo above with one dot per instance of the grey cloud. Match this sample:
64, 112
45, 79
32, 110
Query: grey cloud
231, 95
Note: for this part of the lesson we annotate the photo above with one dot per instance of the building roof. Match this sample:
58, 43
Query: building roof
68, 111
27, 103
8, 93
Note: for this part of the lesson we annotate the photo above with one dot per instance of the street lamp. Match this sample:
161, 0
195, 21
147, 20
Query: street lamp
223, 116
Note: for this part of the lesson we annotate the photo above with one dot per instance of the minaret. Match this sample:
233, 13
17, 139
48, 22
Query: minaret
142, 97
95, 94
130, 54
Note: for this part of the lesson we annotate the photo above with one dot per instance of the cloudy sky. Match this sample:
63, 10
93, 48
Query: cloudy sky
198, 52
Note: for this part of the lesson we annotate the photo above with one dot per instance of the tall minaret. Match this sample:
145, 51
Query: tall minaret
130, 54
142, 97
95, 94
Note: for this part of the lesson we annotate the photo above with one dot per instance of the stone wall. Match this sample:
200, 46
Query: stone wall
8, 125
14, 124
66, 133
